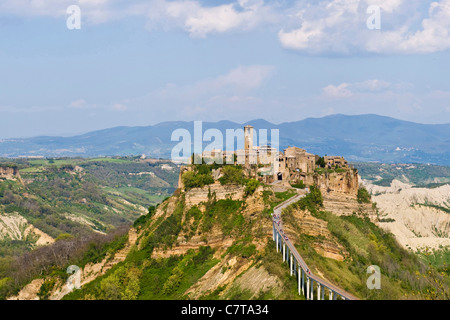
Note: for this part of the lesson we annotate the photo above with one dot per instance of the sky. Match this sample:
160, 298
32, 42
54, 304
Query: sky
138, 63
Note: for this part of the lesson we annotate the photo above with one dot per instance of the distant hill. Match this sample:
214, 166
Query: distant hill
358, 138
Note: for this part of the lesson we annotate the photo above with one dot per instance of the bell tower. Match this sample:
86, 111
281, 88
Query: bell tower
248, 134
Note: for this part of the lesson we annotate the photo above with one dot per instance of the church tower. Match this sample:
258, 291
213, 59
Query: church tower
248, 134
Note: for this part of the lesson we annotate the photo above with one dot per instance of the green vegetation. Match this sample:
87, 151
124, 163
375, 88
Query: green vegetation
142, 220
431, 205
69, 199
251, 186
53, 260
421, 175
272, 199
270, 259
232, 175
99, 194
46, 288
363, 195
196, 180
321, 162
311, 201
156, 279
169, 278
243, 248
298, 185
227, 213
386, 220
438, 259
364, 244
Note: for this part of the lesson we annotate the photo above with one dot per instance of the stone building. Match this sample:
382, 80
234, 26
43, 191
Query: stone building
291, 165
335, 161
294, 159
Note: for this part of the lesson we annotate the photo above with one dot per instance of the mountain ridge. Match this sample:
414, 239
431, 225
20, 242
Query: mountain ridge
365, 137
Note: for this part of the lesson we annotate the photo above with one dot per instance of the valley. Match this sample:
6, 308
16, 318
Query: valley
213, 241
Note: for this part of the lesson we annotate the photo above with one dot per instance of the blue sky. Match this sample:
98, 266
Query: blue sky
142, 62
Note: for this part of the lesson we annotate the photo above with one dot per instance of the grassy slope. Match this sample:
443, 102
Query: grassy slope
97, 193
169, 278
404, 275
141, 277
103, 194
402, 272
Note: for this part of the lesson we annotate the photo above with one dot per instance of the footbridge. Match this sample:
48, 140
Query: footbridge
307, 281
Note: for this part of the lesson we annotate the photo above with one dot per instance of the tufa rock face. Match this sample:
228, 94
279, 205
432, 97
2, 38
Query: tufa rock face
325, 243
338, 182
9, 173
197, 195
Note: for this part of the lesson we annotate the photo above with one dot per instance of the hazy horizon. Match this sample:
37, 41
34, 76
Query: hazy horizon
187, 121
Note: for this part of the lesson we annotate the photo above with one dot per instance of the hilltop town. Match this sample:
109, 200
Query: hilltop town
290, 167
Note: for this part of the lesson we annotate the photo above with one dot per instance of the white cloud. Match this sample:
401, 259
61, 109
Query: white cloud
316, 27
372, 85
339, 26
92, 11
340, 91
199, 20
80, 103
119, 107
347, 90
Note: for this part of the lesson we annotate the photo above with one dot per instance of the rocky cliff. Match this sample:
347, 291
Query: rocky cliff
343, 182
9, 172
198, 195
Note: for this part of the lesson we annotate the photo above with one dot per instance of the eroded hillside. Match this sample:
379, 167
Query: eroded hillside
418, 217
213, 241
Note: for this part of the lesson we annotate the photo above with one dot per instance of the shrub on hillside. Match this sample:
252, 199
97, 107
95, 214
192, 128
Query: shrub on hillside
232, 175
196, 180
298, 185
251, 186
363, 195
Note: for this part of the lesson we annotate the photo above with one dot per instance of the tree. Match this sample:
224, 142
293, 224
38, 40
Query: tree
321, 162
363, 195
251, 186
196, 180
232, 175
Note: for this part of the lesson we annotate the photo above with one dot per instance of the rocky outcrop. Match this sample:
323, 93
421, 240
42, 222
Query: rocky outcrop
346, 205
197, 195
9, 172
15, 227
345, 182
89, 273
325, 244
416, 216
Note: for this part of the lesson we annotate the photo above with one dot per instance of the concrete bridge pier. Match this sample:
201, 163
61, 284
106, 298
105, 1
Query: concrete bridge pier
303, 283
295, 267
277, 241
284, 251
331, 295
291, 264
318, 291
307, 288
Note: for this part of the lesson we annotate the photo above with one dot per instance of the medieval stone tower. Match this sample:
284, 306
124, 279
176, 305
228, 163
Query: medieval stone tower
248, 134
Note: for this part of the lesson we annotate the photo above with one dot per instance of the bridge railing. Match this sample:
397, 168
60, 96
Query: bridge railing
300, 262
